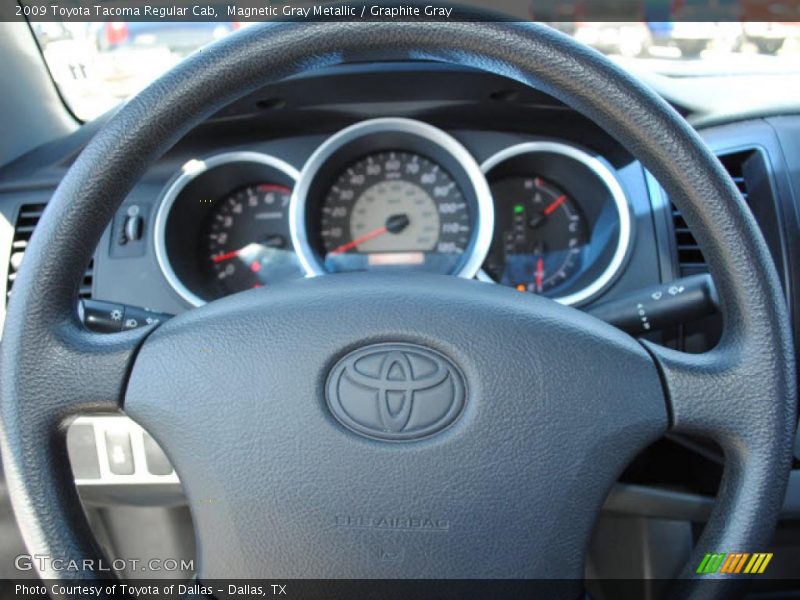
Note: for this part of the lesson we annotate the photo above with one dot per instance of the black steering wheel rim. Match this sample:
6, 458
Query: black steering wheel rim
742, 394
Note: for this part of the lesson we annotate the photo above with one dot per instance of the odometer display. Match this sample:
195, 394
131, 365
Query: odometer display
394, 210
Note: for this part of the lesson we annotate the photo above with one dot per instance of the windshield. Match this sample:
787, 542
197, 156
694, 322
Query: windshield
97, 65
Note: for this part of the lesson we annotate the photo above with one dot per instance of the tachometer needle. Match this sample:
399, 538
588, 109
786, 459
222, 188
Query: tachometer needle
227, 256
551, 208
360, 240
275, 242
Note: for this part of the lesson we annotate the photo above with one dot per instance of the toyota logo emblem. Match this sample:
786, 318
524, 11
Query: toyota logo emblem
396, 392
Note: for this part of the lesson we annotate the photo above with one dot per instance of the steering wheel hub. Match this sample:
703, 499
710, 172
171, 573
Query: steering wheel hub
514, 449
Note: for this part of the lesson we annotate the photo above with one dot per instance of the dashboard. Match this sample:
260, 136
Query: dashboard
396, 195
402, 168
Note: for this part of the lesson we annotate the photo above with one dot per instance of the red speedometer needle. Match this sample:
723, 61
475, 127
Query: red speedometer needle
539, 274
358, 241
551, 208
227, 256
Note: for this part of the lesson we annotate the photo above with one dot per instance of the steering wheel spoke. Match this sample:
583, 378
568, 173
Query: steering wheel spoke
85, 371
77, 371
705, 390
722, 396
100, 365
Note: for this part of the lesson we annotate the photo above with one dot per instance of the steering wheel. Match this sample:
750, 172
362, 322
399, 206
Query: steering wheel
552, 404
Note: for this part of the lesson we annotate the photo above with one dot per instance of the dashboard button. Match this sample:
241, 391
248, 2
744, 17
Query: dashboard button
119, 453
134, 228
83, 451
129, 230
157, 461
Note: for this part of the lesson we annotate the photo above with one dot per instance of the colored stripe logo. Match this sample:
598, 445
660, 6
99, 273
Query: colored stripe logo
735, 563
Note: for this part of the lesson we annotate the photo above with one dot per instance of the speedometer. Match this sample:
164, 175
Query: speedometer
393, 209
392, 195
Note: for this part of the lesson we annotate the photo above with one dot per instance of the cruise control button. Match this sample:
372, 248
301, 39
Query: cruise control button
119, 453
157, 461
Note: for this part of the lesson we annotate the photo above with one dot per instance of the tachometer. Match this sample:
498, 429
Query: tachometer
393, 209
223, 226
248, 239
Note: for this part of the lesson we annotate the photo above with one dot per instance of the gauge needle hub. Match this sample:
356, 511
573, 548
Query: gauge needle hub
538, 218
397, 223
394, 224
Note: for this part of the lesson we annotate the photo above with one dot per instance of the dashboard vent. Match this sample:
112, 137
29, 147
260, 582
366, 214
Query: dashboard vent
27, 219
690, 259
734, 164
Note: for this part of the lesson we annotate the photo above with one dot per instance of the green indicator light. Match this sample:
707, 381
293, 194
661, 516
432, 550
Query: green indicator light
519, 209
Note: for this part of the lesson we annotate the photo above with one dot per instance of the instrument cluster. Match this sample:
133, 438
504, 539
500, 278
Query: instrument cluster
396, 195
